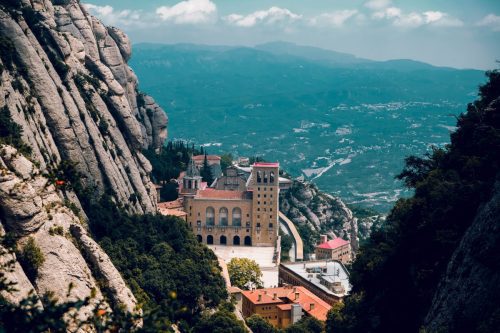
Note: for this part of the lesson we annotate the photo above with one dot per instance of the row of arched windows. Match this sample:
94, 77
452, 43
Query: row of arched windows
223, 216
262, 177
247, 241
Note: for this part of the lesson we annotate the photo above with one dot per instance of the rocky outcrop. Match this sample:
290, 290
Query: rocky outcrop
34, 209
469, 291
304, 204
66, 81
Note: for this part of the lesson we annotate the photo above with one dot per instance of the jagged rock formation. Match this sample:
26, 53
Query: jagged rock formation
34, 209
304, 204
469, 291
65, 81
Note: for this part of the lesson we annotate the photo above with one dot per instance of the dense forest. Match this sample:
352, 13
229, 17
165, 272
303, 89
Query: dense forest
398, 271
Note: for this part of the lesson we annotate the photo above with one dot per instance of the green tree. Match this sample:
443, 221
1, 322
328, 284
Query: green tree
226, 160
245, 273
259, 325
221, 321
311, 324
206, 172
399, 269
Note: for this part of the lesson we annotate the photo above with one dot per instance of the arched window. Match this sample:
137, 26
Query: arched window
248, 241
223, 216
271, 177
210, 239
265, 177
223, 240
200, 238
236, 240
210, 216
259, 177
237, 217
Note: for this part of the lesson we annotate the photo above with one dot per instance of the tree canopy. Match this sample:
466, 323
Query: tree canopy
398, 270
244, 273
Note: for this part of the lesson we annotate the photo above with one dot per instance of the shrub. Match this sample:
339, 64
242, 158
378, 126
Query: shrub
56, 230
31, 257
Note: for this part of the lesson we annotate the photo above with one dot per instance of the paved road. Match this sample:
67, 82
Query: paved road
299, 246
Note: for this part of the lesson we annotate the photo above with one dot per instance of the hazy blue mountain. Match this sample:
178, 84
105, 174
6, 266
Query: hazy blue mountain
345, 122
310, 53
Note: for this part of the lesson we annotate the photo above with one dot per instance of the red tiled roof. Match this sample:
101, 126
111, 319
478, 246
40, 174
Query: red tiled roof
209, 157
333, 244
266, 296
267, 164
305, 299
219, 194
284, 307
173, 212
170, 204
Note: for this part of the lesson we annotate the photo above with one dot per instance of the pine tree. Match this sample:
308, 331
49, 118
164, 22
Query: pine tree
206, 172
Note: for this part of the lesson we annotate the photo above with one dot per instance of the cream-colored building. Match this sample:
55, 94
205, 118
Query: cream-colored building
335, 249
234, 217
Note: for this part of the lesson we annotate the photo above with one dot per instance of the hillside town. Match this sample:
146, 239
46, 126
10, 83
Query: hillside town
237, 216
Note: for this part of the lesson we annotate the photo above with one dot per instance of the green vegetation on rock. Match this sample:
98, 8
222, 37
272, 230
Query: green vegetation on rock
398, 270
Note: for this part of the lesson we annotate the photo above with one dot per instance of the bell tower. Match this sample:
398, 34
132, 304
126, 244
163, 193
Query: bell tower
265, 203
192, 179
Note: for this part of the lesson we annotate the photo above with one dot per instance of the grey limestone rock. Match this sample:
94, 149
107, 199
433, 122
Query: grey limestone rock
67, 84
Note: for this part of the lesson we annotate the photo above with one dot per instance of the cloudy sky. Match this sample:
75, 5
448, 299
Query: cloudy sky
458, 33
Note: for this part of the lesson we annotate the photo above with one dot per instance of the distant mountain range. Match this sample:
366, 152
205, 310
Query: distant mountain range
344, 121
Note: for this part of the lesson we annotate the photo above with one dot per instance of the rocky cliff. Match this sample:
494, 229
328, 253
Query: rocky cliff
305, 205
469, 291
65, 83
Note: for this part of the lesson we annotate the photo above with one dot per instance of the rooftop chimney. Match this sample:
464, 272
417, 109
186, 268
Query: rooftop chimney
297, 295
259, 298
275, 296
323, 239
312, 307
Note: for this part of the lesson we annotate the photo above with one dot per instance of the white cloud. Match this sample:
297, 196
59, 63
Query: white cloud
99, 10
377, 4
109, 16
441, 19
336, 18
491, 21
189, 12
270, 16
414, 19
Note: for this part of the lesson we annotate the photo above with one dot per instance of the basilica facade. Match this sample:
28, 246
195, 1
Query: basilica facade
244, 213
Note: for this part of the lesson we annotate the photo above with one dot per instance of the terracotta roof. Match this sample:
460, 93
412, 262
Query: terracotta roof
286, 296
306, 298
333, 244
172, 212
266, 296
267, 164
284, 307
220, 194
170, 204
209, 157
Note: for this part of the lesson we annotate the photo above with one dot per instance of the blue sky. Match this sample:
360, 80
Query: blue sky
457, 33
